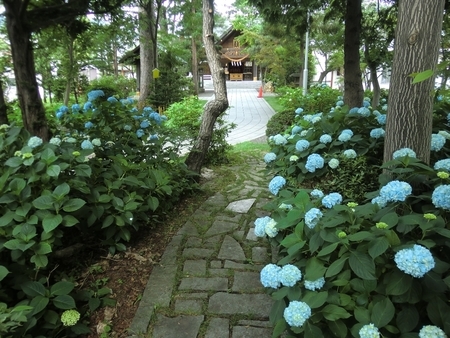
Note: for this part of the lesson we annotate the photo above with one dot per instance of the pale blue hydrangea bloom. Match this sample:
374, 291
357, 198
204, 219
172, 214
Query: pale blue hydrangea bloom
441, 197
396, 191
270, 157
377, 133
381, 119
154, 137
316, 193
442, 164
313, 162
415, 261
34, 142
380, 201
293, 158
339, 103
55, 140
285, 206
279, 139
345, 135
312, 217
140, 133
303, 133
76, 108
301, 145
331, 200
325, 138
269, 276
144, 124
70, 140
112, 100
59, 114
369, 331
350, 153
271, 228
377, 114
354, 110
86, 144
364, 111
289, 275
308, 118
437, 142
276, 184
445, 134
88, 125
127, 127
156, 117
297, 313
96, 142
314, 285
347, 131
431, 331
333, 163
383, 100
384, 108
403, 152
260, 226
95, 94
298, 111
296, 130
87, 106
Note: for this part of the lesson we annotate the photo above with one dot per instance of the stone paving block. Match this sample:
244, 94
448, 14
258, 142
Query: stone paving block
212, 242
240, 266
193, 242
221, 227
179, 327
261, 213
190, 306
217, 200
239, 234
193, 295
218, 328
204, 284
235, 219
231, 249
170, 254
257, 323
219, 272
251, 332
197, 253
188, 228
257, 305
195, 267
242, 206
245, 281
259, 255
216, 264
251, 235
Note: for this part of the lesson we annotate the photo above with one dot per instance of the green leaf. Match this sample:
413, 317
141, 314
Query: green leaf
51, 222
17, 185
382, 313
333, 312
422, 76
51, 317
290, 240
408, 318
397, 283
312, 331
336, 267
39, 303
276, 313
362, 315
359, 236
378, 247
315, 299
44, 202
48, 155
392, 237
280, 327
94, 304
362, 265
314, 269
62, 288
3, 272
83, 170
23, 210
14, 162
73, 204
7, 218
438, 311
64, 302
153, 203
338, 328
104, 199
61, 190
54, 170
16, 244
43, 248
328, 249
41, 261
391, 219
69, 220
33, 289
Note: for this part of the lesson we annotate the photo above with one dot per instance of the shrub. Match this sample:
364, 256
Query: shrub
114, 85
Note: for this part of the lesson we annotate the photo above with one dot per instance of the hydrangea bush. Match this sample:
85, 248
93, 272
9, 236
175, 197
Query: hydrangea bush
377, 267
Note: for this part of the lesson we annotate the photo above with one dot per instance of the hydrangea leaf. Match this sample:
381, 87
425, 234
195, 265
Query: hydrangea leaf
407, 318
61, 288
315, 299
39, 303
333, 312
382, 313
362, 265
3, 272
276, 313
338, 328
397, 283
53, 170
378, 246
64, 302
280, 327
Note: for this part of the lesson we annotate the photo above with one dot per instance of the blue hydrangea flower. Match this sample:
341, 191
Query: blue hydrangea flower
442, 164
350, 153
376, 113
276, 184
403, 152
59, 115
95, 94
364, 111
64, 109
88, 125
441, 197
354, 110
127, 127
304, 132
297, 313
333, 163
133, 110
270, 157
96, 142
415, 261
271, 228
87, 106
347, 131
437, 142
384, 108
140, 133
86, 144
314, 285
298, 111
301, 145
369, 331
339, 103
380, 201
260, 226
269, 276
137, 117
279, 139
289, 275
34, 142
312, 217
383, 100
396, 191
112, 99
344, 136
313, 162
331, 200
144, 124
55, 140
154, 137
296, 130
316, 193
431, 331
445, 134
381, 119
377, 133
325, 138
70, 140
155, 117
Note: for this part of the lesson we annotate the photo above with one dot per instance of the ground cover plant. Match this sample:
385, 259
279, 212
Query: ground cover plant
363, 246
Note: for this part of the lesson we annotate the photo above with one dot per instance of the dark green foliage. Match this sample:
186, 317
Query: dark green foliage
112, 85
279, 122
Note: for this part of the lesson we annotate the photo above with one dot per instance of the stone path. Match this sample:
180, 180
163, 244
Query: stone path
207, 283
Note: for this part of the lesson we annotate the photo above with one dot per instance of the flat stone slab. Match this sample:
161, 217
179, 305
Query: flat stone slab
231, 249
204, 284
245, 281
218, 328
180, 327
259, 255
242, 206
258, 305
188, 229
221, 227
251, 235
240, 266
197, 253
195, 267
190, 306
246, 332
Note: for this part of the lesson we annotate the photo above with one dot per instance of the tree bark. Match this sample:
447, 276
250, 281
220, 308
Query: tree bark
353, 89
376, 85
3, 107
194, 65
416, 49
214, 108
33, 113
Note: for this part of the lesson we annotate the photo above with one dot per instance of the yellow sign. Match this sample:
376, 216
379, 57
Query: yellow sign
155, 73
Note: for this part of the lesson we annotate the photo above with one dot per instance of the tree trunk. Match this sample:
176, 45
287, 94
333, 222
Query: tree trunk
323, 75
416, 49
353, 89
375, 84
214, 108
194, 65
3, 107
33, 113
70, 74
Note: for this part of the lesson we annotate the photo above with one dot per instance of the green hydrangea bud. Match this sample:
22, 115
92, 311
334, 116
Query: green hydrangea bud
70, 317
18, 153
443, 175
4, 127
352, 204
76, 153
381, 225
293, 158
342, 234
429, 216
27, 155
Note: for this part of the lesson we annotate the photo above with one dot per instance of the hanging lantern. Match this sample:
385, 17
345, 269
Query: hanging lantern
155, 73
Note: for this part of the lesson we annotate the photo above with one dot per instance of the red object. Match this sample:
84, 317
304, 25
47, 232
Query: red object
260, 95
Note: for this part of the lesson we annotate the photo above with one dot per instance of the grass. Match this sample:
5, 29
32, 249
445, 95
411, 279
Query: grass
273, 101
250, 147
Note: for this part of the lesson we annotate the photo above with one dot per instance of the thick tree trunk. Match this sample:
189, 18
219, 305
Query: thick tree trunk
3, 107
375, 84
416, 49
33, 113
353, 89
214, 108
